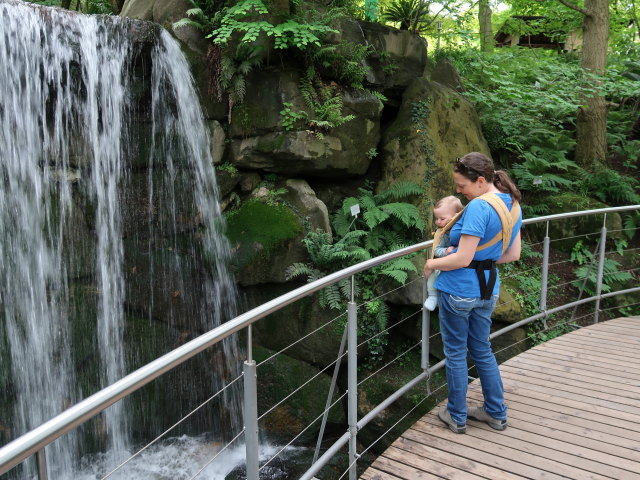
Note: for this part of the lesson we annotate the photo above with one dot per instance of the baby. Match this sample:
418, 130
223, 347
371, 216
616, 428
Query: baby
445, 210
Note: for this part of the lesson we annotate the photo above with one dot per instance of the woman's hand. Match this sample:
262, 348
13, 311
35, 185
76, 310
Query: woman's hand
460, 259
427, 271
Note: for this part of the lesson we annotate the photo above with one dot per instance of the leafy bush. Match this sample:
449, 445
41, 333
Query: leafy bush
384, 225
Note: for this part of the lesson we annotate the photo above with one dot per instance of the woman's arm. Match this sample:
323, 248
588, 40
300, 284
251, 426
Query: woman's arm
513, 252
461, 258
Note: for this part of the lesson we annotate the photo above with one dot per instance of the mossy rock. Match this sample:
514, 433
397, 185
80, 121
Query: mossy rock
279, 377
265, 238
434, 125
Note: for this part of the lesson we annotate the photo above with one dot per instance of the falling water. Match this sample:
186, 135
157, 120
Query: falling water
75, 133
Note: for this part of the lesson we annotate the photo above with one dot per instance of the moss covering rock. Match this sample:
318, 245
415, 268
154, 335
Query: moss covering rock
434, 126
266, 238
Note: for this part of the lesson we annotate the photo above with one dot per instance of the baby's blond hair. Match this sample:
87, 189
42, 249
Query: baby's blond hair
450, 201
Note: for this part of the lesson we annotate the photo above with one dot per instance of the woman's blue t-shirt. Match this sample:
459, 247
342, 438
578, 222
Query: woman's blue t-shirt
479, 219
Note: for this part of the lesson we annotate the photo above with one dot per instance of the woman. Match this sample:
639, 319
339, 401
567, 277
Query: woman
465, 309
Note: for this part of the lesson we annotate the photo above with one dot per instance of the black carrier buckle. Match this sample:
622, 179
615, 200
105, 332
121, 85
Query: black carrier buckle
486, 288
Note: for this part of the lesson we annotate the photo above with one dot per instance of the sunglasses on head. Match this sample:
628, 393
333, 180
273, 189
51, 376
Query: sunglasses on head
460, 165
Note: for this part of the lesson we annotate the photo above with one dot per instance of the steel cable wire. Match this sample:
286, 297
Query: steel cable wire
392, 427
305, 429
390, 291
172, 427
301, 386
574, 236
217, 454
388, 328
301, 339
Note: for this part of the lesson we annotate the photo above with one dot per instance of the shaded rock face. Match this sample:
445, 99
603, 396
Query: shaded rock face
295, 321
166, 12
266, 233
281, 376
260, 142
434, 126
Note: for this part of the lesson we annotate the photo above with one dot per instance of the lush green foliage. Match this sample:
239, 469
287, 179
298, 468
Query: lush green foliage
587, 271
409, 14
385, 224
527, 101
323, 99
241, 17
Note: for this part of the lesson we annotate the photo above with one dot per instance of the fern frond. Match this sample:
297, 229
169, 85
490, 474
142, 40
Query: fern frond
401, 190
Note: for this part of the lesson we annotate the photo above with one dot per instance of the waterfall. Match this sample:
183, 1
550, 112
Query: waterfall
108, 218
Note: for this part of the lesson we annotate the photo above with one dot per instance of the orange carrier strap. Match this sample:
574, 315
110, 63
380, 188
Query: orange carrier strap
508, 218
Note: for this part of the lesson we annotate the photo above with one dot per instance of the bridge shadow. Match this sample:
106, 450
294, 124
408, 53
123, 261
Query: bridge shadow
574, 412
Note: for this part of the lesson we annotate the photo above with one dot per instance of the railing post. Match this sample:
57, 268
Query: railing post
41, 460
603, 248
251, 413
352, 381
545, 277
426, 325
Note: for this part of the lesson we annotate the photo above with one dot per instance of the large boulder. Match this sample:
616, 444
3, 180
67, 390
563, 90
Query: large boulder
166, 13
266, 232
434, 126
397, 57
304, 201
265, 238
259, 140
404, 58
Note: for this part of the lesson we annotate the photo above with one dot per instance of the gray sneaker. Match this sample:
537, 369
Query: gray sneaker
445, 416
479, 414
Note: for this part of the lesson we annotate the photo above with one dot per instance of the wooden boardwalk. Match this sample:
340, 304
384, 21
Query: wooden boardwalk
574, 412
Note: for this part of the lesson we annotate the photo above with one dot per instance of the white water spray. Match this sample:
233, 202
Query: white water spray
65, 114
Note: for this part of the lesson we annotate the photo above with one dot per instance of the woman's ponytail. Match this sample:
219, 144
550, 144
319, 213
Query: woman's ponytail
503, 182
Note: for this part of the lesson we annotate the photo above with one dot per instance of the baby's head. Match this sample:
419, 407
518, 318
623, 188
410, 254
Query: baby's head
445, 209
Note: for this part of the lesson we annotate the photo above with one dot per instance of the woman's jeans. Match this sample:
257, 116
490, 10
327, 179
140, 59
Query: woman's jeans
465, 323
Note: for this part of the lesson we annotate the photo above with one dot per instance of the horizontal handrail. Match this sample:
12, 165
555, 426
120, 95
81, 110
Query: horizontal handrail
426, 374
28, 444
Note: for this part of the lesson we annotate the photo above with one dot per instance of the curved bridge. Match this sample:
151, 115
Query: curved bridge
574, 409
574, 412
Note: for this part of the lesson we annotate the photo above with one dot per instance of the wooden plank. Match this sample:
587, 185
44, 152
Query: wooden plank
524, 441
614, 412
507, 459
574, 371
611, 338
560, 382
587, 456
375, 474
606, 354
426, 464
594, 342
574, 412
528, 371
551, 357
401, 470
536, 456
435, 455
538, 419
561, 412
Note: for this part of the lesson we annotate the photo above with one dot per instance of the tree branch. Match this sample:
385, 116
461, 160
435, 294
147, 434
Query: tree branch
575, 7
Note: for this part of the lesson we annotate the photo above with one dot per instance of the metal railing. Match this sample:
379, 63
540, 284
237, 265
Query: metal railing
35, 441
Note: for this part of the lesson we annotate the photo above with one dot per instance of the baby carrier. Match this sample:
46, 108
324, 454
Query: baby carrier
508, 220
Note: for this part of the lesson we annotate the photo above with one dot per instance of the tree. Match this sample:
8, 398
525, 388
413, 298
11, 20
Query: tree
486, 33
591, 123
